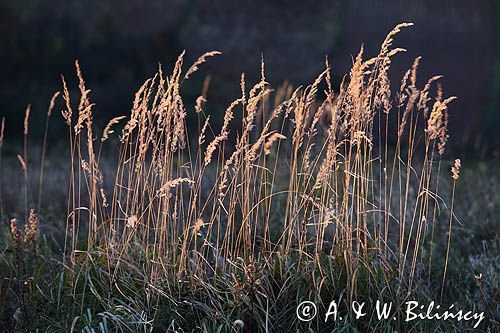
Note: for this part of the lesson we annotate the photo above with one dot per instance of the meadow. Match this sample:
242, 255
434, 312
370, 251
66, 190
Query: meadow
313, 193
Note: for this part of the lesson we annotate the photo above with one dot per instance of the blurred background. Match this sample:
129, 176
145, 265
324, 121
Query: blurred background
120, 43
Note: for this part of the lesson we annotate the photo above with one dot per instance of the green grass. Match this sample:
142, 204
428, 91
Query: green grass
58, 298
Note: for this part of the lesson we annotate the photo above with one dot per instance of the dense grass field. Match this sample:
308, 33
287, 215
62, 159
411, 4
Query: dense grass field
317, 193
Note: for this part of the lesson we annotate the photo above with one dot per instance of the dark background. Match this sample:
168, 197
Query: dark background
119, 44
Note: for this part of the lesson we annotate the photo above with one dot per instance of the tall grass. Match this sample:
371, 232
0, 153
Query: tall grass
307, 179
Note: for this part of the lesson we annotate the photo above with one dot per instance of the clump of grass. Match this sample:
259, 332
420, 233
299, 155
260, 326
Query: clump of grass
236, 225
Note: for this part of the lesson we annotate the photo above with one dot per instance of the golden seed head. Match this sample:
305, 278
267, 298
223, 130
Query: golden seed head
272, 138
198, 225
455, 170
15, 233
131, 221
30, 229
